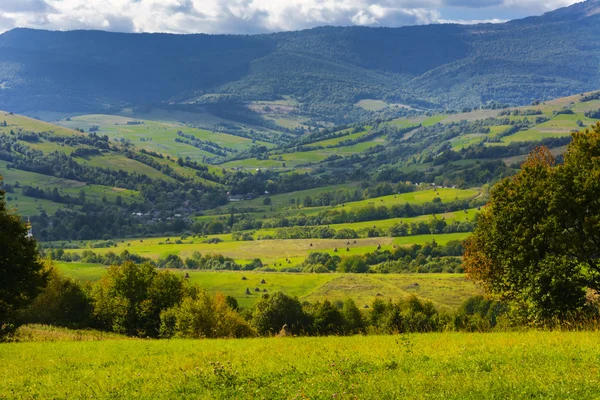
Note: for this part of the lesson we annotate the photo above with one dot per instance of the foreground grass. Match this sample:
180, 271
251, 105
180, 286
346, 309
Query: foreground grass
441, 365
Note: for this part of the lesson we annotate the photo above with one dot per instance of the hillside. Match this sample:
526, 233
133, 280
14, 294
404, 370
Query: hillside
162, 175
419, 366
435, 66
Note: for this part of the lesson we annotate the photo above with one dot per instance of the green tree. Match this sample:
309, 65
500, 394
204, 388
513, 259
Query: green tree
353, 318
353, 264
22, 274
63, 302
537, 242
327, 319
267, 201
204, 316
130, 297
274, 311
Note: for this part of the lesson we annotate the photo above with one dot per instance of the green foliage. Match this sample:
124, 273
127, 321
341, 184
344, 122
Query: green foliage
130, 298
21, 271
273, 311
353, 264
204, 316
536, 242
63, 302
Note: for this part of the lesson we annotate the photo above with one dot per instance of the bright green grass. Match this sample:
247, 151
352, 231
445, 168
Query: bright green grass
16, 122
385, 224
433, 120
279, 201
446, 291
163, 135
117, 162
558, 126
418, 197
335, 141
464, 141
271, 252
282, 201
28, 206
93, 193
508, 365
304, 157
49, 147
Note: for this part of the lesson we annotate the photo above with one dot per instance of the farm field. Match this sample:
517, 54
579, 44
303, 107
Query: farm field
29, 206
269, 251
282, 202
15, 122
157, 136
69, 187
446, 291
530, 364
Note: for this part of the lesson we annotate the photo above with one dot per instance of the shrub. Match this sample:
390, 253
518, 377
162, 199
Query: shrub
63, 302
273, 311
204, 316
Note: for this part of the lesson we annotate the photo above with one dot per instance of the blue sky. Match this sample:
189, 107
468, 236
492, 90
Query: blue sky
254, 16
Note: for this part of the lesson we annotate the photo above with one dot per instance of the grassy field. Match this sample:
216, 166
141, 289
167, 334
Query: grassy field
93, 193
420, 366
19, 122
158, 136
269, 251
282, 202
446, 291
29, 206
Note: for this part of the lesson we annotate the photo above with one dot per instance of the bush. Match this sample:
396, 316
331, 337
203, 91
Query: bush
353, 264
130, 298
273, 311
204, 316
171, 261
63, 302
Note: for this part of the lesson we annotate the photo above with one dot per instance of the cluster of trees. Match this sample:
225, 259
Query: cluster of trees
593, 114
139, 300
517, 112
546, 263
428, 258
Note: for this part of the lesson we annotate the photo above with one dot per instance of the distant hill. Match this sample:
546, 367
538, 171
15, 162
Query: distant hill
435, 66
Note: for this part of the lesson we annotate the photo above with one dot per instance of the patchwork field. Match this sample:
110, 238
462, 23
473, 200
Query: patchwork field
158, 136
446, 291
269, 251
424, 366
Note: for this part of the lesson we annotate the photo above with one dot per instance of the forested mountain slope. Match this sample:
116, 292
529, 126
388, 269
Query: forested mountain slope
435, 66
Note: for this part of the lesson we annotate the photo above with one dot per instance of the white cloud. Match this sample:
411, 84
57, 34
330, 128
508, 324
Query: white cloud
243, 16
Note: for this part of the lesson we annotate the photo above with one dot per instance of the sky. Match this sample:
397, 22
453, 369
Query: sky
256, 16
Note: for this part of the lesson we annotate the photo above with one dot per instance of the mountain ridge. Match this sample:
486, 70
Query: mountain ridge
444, 65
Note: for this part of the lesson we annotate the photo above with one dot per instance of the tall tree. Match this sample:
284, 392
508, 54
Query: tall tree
537, 242
22, 274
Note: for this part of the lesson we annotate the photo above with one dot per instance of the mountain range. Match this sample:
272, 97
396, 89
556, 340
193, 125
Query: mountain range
433, 66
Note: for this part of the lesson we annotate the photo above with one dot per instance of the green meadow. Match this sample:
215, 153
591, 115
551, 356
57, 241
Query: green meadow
156, 135
446, 291
283, 202
531, 364
269, 251
95, 193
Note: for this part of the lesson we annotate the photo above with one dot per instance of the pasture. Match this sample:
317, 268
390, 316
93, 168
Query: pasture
282, 202
158, 136
271, 252
94, 193
446, 291
532, 364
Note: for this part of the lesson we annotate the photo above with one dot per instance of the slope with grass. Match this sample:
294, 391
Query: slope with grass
439, 365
